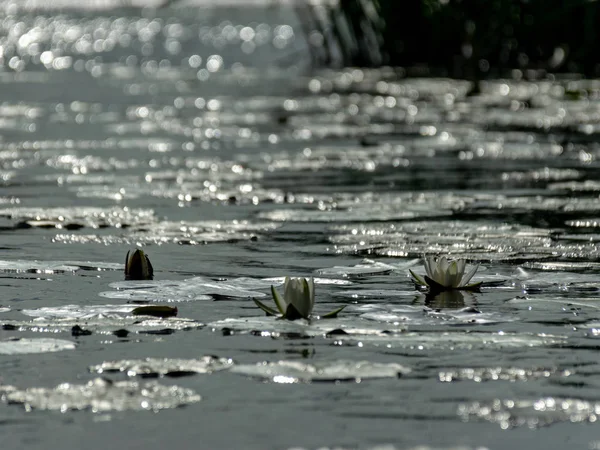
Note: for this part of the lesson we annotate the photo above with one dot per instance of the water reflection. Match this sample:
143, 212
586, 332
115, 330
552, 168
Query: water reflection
450, 299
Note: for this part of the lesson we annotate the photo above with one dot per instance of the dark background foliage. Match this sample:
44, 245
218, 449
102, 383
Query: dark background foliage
471, 38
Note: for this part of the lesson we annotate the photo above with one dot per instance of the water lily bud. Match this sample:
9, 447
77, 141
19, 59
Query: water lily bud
297, 302
138, 266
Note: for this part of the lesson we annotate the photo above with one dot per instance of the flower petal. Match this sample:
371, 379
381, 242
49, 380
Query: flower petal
137, 266
287, 284
430, 265
280, 302
461, 267
452, 278
439, 272
291, 313
268, 311
418, 279
333, 314
467, 277
301, 298
434, 286
311, 292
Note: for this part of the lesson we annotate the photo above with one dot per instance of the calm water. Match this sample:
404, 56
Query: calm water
202, 135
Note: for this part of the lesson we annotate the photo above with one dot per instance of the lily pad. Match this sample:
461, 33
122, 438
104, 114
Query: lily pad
474, 240
276, 281
18, 266
559, 266
156, 311
534, 282
357, 271
535, 413
191, 289
78, 217
367, 268
512, 374
105, 325
373, 293
155, 367
450, 340
19, 346
275, 327
101, 395
296, 371
200, 232
407, 315
79, 311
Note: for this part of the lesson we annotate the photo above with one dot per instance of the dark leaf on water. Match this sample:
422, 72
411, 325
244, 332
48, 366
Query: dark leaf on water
155, 311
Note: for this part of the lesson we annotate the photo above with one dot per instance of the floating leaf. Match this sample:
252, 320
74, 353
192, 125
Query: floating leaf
105, 325
367, 268
535, 413
164, 367
156, 311
296, 371
47, 267
436, 341
101, 395
77, 217
512, 374
18, 346
357, 271
384, 294
80, 311
197, 288
274, 327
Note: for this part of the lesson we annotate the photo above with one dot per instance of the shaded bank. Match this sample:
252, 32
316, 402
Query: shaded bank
470, 38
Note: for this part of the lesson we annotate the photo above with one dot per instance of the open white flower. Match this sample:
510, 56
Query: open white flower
297, 302
444, 274
138, 266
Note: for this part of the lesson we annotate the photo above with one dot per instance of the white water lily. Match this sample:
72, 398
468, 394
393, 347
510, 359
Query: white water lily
297, 302
138, 266
444, 274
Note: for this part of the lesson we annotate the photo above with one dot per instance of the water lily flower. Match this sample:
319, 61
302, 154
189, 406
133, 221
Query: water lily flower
297, 302
444, 274
138, 266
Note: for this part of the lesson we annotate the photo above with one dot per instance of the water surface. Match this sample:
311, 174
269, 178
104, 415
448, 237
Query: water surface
203, 136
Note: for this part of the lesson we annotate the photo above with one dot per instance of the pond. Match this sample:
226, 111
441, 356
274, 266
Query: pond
202, 136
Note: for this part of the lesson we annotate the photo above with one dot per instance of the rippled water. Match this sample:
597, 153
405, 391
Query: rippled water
201, 135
